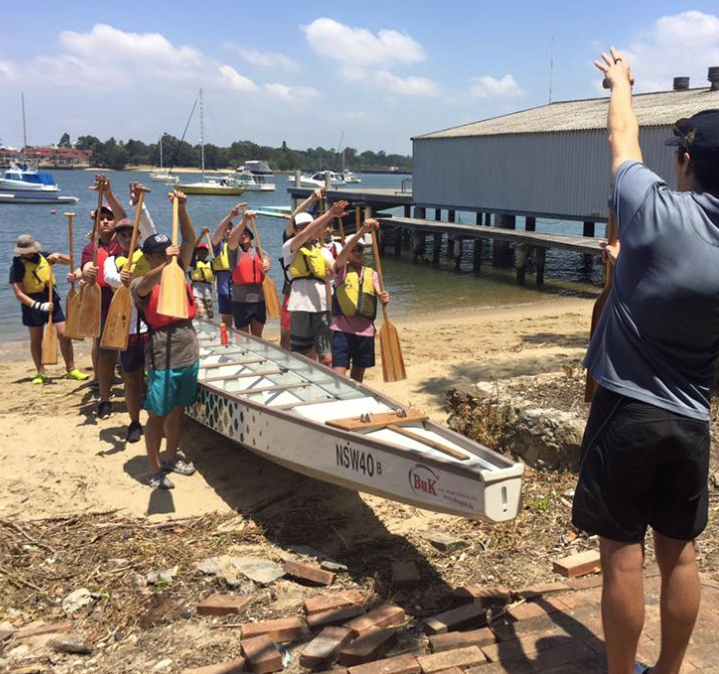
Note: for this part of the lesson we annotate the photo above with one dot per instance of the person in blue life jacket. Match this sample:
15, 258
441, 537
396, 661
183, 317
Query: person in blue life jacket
221, 264
30, 276
644, 461
354, 306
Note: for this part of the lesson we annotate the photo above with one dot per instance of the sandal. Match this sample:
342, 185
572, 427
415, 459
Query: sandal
178, 466
161, 481
76, 375
39, 378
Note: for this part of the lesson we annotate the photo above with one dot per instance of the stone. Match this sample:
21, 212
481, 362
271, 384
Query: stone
400, 664
77, 600
262, 571
384, 616
333, 601
262, 654
323, 650
444, 541
370, 646
71, 645
336, 616
164, 577
449, 640
162, 664
405, 575
470, 615
308, 573
579, 564
336, 567
222, 567
222, 604
459, 657
236, 666
281, 630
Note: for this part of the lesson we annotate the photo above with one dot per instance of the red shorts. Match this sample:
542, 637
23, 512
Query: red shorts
285, 317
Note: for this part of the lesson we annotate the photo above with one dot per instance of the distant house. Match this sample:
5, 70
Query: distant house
48, 156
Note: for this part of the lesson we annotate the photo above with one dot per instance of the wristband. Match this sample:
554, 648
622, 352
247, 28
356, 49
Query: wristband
35, 305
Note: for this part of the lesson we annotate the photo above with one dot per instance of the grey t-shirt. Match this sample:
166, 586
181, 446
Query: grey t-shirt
170, 347
244, 292
658, 335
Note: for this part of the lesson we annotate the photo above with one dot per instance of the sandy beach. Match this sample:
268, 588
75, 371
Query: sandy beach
59, 459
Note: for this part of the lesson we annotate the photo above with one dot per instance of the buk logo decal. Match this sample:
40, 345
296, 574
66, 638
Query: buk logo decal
423, 480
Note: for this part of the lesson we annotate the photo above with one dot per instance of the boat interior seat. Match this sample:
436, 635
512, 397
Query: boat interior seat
342, 408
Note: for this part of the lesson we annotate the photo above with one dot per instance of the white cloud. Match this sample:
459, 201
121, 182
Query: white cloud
6, 70
264, 59
234, 80
406, 86
684, 44
487, 86
289, 93
358, 47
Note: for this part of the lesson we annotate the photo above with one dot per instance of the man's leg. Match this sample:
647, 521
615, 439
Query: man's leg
106, 375
36, 347
173, 425
66, 349
133, 393
153, 440
679, 602
622, 602
357, 373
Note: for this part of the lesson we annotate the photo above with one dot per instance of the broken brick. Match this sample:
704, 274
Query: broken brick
332, 601
222, 604
323, 650
405, 575
370, 646
309, 573
400, 664
384, 616
262, 654
337, 616
460, 657
470, 615
280, 630
446, 642
578, 565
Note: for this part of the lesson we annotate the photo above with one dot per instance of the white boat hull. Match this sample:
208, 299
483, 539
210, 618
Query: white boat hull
36, 198
380, 462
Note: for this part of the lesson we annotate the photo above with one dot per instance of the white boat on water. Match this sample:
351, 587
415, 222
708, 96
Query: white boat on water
301, 415
318, 179
251, 182
24, 184
349, 177
163, 175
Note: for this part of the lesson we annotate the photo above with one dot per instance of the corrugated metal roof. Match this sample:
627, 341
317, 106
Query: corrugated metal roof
655, 109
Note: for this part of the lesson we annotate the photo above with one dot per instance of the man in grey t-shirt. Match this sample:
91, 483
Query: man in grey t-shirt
645, 454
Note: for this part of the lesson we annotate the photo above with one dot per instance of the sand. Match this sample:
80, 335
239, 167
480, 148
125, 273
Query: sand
57, 459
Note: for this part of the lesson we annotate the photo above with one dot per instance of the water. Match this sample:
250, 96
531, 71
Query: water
415, 288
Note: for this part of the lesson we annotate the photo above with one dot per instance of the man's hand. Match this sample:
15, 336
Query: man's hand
74, 276
384, 297
180, 196
101, 182
339, 208
46, 307
239, 208
135, 189
126, 274
609, 253
53, 258
369, 225
265, 266
615, 69
319, 193
89, 274
205, 230
172, 250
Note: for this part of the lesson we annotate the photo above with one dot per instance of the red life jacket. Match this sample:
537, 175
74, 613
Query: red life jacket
156, 320
248, 269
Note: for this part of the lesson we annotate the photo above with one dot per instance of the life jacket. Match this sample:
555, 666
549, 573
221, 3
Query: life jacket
140, 265
350, 299
202, 272
248, 269
221, 262
37, 275
156, 320
309, 263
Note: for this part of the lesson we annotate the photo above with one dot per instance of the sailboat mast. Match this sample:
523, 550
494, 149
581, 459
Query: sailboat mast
202, 138
24, 128
161, 154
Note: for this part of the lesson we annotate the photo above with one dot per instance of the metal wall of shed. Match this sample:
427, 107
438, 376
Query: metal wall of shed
555, 175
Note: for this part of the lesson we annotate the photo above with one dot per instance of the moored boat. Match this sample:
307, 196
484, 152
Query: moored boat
24, 184
304, 416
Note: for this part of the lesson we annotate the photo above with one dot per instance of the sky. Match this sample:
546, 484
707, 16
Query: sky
371, 74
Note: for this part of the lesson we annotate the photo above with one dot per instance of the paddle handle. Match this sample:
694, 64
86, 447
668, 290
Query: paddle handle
96, 231
175, 220
253, 222
69, 217
342, 230
378, 269
209, 243
135, 228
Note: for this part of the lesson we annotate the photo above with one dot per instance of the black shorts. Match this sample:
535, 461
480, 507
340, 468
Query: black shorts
132, 358
352, 349
244, 313
34, 318
641, 466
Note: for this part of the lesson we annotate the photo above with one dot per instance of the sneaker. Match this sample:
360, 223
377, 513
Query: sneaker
39, 378
104, 409
94, 385
641, 668
161, 481
134, 432
76, 375
178, 466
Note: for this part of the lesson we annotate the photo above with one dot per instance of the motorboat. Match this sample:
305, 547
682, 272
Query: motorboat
318, 179
24, 184
250, 181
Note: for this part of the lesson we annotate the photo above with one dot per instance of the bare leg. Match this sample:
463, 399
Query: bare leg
36, 347
133, 393
340, 370
153, 440
173, 425
256, 328
106, 373
679, 602
285, 338
326, 359
94, 356
622, 602
68, 354
228, 320
357, 373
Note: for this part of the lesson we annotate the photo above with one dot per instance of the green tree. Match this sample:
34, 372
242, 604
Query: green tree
64, 140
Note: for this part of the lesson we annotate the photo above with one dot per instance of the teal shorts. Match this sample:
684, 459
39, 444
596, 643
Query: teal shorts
169, 389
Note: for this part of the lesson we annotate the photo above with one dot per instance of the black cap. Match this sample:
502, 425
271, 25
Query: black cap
157, 243
699, 134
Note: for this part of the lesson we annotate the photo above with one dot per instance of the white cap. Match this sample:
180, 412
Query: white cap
303, 219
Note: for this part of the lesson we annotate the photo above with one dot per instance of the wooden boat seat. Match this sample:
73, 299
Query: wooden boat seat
372, 421
326, 412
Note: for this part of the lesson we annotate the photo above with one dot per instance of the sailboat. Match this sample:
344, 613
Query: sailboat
162, 175
210, 186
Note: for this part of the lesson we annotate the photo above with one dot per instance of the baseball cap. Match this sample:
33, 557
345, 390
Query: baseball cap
699, 134
157, 243
302, 219
123, 224
26, 244
202, 246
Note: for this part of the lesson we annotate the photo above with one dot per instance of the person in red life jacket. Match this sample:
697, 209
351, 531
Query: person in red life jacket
30, 276
172, 355
118, 271
103, 360
201, 276
248, 274
221, 264
354, 306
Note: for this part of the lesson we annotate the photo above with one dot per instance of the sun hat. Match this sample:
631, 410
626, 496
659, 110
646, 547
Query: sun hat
26, 244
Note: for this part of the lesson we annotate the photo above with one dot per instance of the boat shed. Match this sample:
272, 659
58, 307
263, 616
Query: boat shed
552, 161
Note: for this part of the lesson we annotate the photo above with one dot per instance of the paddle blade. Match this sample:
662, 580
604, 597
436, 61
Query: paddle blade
272, 301
72, 315
173, 291
117, 324
49, 345
91, 310
391, 351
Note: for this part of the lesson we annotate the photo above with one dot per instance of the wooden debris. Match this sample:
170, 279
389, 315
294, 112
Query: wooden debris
443, 541
578, 565
405, 575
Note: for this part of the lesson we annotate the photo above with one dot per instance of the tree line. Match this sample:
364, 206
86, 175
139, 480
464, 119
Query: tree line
117, 154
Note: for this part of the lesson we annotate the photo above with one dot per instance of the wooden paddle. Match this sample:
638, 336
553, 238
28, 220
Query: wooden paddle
91, 304
74, 298
117, 324
612, 235
342, 230
173, 291
390, 348
272, 301
49, 333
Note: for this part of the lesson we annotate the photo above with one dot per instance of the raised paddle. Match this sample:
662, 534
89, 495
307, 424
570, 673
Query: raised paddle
173, 291
342, 230
272, 301
390, 348
91, 304
117, 325
49, 334
73, 299
612, 235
